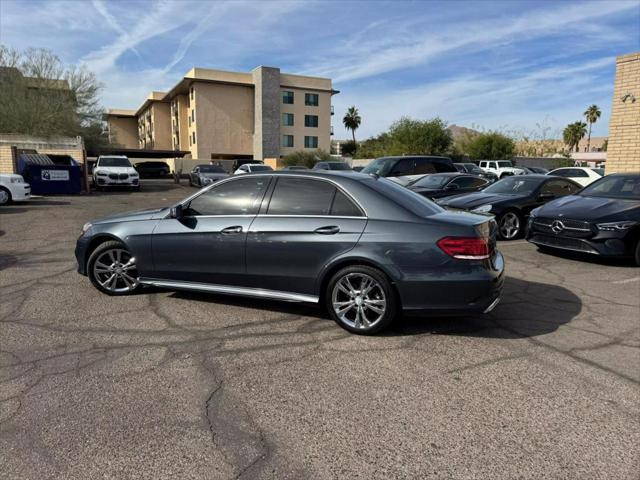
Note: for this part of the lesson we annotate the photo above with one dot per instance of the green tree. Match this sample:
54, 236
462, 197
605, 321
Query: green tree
490, 146
349, 148
308, 158
592, 114
573, 133
352, 121
409, 136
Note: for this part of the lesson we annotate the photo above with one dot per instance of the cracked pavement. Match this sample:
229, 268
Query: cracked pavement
181, 385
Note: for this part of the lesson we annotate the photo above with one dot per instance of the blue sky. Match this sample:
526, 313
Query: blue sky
508, 65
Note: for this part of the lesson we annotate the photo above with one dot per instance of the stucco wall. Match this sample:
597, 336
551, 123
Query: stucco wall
623, 153
299, 110
59, 146
161, 129
123, 131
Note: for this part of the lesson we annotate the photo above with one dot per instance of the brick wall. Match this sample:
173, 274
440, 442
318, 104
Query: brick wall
623, 154
59, 146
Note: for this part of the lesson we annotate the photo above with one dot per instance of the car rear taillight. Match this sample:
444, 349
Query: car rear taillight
465, 248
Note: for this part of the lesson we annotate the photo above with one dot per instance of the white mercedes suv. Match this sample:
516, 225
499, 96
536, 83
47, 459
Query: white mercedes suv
115, 171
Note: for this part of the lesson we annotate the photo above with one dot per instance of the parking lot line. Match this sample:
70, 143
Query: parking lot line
627, 280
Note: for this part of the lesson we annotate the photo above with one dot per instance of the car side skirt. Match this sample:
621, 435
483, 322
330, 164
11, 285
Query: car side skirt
230, 290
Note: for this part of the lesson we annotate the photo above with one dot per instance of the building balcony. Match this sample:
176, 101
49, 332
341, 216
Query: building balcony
332, 111
331, 130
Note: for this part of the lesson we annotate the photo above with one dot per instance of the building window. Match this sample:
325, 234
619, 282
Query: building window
287, 119
191, 93
287, 140
287, 97
310, 142
311, 99
189, 120
310, 120
193, 134
193, 115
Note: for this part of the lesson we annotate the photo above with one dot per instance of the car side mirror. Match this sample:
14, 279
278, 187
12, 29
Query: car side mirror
176, 212
546, 196
452, 186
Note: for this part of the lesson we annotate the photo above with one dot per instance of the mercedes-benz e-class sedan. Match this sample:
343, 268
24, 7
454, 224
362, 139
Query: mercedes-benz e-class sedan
362, 246
602, 219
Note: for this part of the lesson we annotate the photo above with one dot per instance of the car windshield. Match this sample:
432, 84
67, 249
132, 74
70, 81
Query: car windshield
623, 186
114, 162
599, 171
380, 166
517, 185
260, 168
431, 181
339, 166
210, 169
505, 163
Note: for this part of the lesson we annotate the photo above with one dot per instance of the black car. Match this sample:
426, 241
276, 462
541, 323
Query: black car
203, 175
152, 169
331, 166
406, 169
512, 199
602, 219
474, 169
441, 185
361, 246
531, 170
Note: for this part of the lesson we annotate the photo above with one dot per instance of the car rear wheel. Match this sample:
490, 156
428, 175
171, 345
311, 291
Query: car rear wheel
361, 299
5, 196
112, 269
509, 225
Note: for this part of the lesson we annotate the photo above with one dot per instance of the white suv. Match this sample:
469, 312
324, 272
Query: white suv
501, 168
13, 188
115, 171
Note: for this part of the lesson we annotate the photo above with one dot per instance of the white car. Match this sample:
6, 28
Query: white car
252, 167
582, 175
115, 171
501, 168
13, 188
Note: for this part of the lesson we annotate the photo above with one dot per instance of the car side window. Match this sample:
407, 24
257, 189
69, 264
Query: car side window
404, 166
463, 182
425, 166
493, 165
579, 173
301, 196
344, 207
236, 197
478, 182
559, 188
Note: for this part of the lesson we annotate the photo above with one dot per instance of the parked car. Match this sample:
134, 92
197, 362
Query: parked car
295, 167
512, 199
582, 175
357, 169
534, 170
501, 168
404, 170
203, 175
474, 169
602, 219
13, 188
115, 171
439, 185
252, 167
152, 169
331, 166
361, 246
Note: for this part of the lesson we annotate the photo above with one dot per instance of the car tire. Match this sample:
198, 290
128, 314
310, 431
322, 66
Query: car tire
5, 196
112, 269
509, 221
363, 314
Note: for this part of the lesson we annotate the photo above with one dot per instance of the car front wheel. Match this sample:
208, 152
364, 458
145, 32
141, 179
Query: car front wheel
361, 299
509, 225
112, 269
5, 196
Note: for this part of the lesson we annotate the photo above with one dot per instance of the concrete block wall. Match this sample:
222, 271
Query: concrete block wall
623, 154
73, 147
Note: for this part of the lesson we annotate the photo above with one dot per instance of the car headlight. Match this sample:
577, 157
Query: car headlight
85, 227
206, 181
101, 174
617, 226
482, 208
134, 174
17, 179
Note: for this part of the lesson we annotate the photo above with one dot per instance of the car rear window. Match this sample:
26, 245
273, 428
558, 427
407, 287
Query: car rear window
404, 197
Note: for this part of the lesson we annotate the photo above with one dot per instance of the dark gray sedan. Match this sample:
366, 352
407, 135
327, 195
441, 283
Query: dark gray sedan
361, 246
203, 175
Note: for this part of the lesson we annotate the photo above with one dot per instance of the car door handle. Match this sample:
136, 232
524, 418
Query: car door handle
329, 230
234, 229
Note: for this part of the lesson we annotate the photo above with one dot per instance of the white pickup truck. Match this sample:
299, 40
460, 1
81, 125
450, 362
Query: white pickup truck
501, 168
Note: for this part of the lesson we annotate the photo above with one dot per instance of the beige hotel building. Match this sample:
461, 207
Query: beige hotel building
214, 114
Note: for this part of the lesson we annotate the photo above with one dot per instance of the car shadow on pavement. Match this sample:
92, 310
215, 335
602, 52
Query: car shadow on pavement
46, 201
527, 309
588, 258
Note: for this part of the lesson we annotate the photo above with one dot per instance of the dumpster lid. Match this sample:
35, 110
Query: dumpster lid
36, 159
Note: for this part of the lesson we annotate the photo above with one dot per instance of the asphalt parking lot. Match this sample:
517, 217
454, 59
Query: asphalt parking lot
180, 385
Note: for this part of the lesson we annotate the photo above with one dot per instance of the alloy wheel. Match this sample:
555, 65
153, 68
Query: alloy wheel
509, 226
359, 300
115, 270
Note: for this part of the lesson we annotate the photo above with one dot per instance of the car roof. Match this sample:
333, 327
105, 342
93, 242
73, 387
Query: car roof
400, 157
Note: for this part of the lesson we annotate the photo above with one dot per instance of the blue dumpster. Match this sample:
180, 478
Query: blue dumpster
50, 174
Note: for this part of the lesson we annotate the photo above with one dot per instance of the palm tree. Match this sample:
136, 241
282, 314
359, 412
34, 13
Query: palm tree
573, 133
592, 115
352, 121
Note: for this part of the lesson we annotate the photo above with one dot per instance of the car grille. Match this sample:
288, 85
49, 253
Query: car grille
562, 242
563, 226
118, 176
